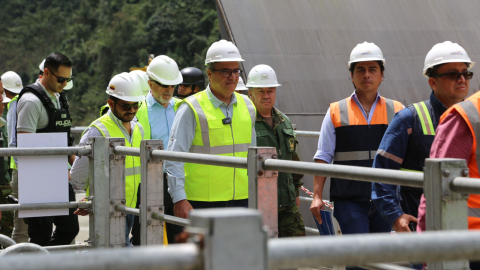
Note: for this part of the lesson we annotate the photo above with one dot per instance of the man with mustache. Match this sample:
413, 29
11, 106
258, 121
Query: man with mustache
157, 118
274, 129
125, 98
350, 135
215, 121
407, 141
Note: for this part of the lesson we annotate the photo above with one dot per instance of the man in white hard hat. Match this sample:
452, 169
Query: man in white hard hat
407, 141
14, 86
125, 99
215, 121
350, 135
42, 107
274, 129
241, 88
157, 118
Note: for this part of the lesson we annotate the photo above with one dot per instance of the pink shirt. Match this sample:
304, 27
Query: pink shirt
452, 140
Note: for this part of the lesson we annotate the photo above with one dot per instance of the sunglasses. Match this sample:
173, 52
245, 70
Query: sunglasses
61, 79
164, 86
228, 72
128, 107
468, 75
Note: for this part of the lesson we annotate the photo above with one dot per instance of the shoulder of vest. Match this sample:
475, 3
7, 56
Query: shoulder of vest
39, 93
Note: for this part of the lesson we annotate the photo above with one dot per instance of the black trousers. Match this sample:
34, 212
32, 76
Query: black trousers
172, 230
66, 227
410, 200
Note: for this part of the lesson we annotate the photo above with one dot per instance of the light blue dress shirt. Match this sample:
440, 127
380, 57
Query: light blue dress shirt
160, 119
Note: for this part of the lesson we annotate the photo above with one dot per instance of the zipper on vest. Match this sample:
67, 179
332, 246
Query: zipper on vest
233, 148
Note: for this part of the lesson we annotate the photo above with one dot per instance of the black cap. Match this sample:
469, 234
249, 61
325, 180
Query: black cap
193, 76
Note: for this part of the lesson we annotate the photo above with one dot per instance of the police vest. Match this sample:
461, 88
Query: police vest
142, 116
59, 120
109, 129
470, 112
12, 161
212, 136
357, 143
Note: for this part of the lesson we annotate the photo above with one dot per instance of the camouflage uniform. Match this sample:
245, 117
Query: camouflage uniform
282, 137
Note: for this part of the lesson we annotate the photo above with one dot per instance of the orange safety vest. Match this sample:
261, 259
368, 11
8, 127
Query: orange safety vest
470, 112
356, 142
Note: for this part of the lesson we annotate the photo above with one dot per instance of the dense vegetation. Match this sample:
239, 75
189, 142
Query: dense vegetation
102, 38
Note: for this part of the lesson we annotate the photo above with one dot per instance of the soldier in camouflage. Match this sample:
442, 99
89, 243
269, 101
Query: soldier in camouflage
274, 129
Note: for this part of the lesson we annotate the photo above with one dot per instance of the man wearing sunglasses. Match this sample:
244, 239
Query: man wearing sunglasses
42, 107
215, 121
125, 99
157, 119
193, 81
407, 141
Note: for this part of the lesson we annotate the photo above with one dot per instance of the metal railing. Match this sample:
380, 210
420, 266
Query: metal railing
444, 182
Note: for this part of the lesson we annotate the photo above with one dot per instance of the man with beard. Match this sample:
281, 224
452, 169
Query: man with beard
126, 97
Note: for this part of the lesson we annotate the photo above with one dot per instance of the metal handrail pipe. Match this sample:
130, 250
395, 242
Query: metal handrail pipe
373, 248
67, 248
77, 130
311, 230
171, 219
47, 151
306, 199
396, 177
23, 248
465, 185
127, 151
39, 206
384, 266
128, 210
178, 257
235, 162
6, 241
302, 133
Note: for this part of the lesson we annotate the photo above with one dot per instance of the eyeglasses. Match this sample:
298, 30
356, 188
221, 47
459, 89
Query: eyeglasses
468, 75
61, 79
228, 72
127, 107
164, 86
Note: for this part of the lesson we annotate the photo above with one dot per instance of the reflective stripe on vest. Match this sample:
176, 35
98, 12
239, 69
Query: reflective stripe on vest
217, 183
206, 148
408, 170
109, 128
425, 118
345, 118
471, 115
354, 155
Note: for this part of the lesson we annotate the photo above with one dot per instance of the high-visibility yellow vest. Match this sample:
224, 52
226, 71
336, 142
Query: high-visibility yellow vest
108, 128
216, 183
142, 116
12, 162
425, 118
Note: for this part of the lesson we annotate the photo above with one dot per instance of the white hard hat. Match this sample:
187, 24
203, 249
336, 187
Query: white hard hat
5, 98
69, 84
164, 70
262, 76
12, 82
125, 87
240, 85
143, 79
364, 52
446, 52
223, 51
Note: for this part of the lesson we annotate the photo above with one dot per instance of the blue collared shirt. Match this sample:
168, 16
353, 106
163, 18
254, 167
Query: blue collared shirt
160, 118
327, 139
